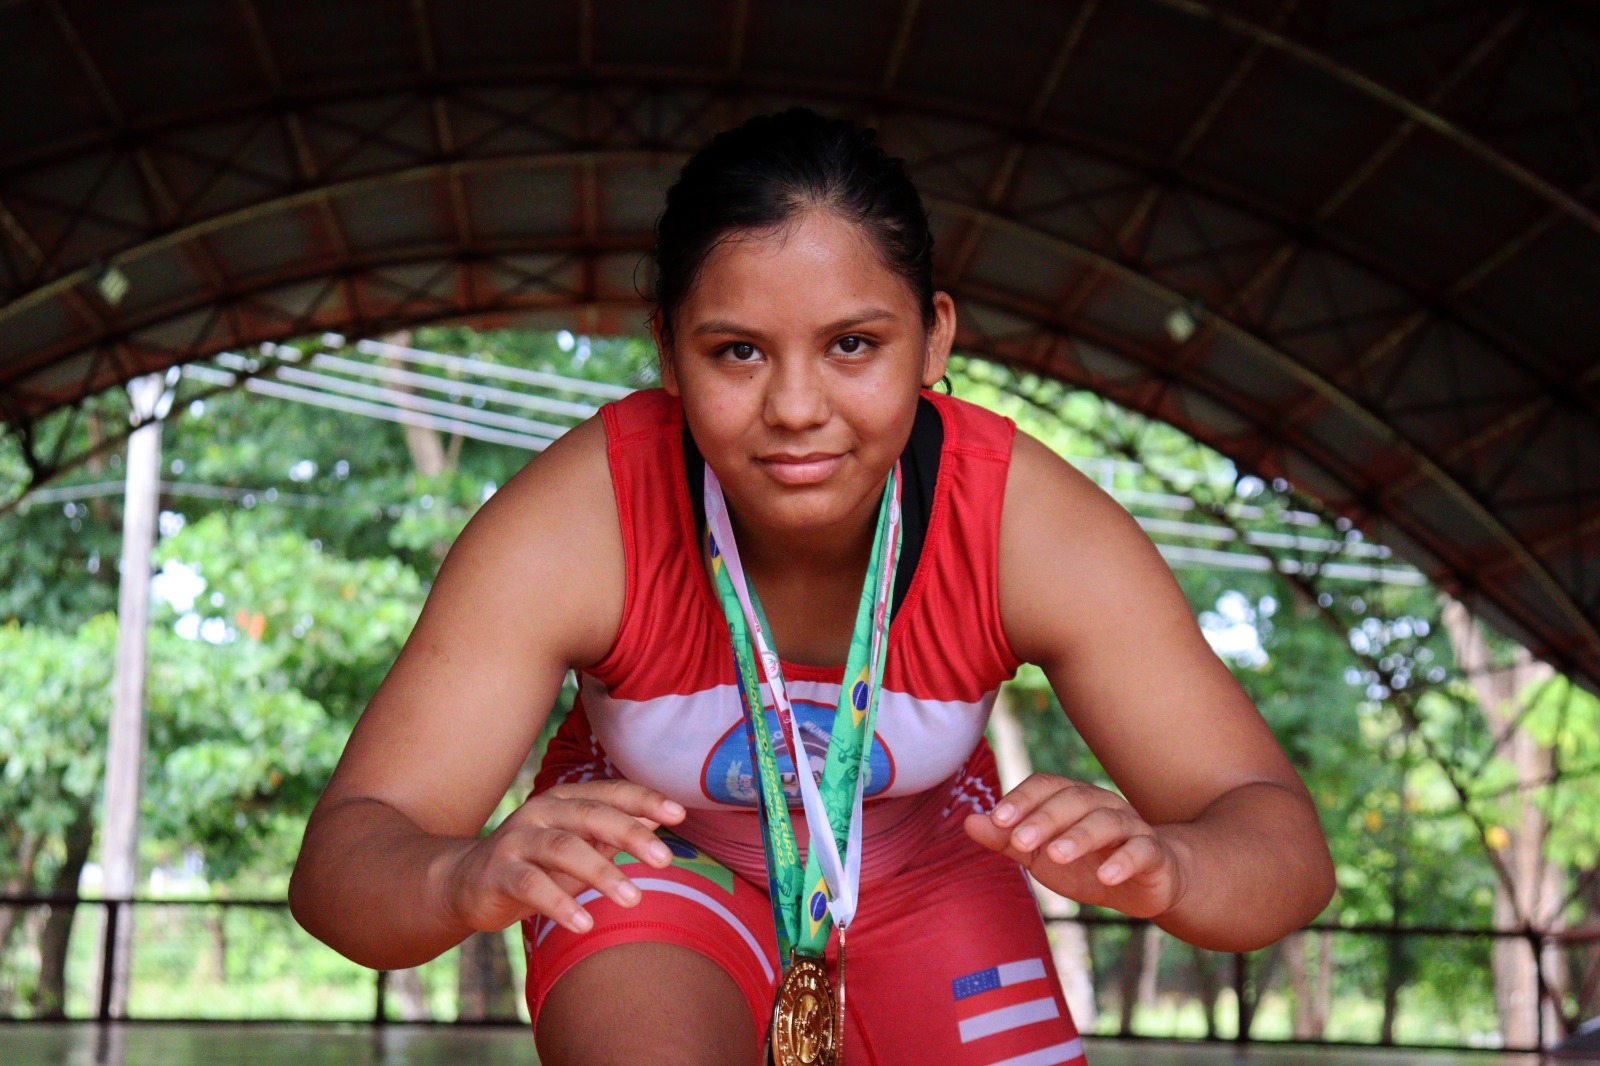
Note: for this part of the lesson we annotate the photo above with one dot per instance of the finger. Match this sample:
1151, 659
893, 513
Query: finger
981, 828
1140, 854
535, 889
605, 825
556, 850
1059, 812
1102, 827
629, 796
1022, 800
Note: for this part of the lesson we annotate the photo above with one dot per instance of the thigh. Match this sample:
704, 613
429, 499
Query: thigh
698, 946
952, 965
645, 1002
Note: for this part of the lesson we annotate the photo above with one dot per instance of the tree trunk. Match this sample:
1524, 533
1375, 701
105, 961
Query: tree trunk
50, 997
412, 997
1294, 954
426, 445
1324, 1002
1070, 950
19, 885
1205, 978
1129, 969
1150, 966
1394, 976
483, 982
1534, 896
219, 945
1256, 983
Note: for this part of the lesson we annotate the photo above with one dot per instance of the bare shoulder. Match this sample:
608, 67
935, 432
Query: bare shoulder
1086, 595
532, 587
1069, 553
550, 541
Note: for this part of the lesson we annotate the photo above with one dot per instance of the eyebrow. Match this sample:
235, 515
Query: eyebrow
860, 318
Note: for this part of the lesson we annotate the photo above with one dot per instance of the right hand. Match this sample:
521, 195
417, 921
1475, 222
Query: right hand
553, 847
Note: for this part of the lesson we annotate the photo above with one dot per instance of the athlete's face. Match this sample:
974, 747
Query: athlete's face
798, 356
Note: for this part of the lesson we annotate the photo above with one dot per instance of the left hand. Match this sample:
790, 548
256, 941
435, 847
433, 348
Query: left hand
1085, 843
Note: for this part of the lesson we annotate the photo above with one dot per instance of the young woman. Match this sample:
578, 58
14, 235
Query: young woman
799, 335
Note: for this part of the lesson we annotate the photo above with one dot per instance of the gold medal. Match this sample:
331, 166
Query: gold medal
805, 1017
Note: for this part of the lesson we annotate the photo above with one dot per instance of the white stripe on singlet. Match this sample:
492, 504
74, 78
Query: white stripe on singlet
672, 888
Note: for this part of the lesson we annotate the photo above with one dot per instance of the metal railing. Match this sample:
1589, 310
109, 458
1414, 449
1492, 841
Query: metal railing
1414, 987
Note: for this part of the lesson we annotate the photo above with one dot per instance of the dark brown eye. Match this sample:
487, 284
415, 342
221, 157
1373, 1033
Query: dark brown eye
852, 345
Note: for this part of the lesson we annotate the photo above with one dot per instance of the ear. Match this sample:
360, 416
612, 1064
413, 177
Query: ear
940, 337
664, 363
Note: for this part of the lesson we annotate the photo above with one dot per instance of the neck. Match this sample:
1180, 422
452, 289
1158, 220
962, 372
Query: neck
822, 554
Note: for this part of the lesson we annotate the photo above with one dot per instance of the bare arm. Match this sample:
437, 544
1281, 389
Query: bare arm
391, 872
1217, 838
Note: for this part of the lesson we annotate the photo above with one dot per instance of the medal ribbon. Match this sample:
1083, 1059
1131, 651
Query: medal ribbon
833, 808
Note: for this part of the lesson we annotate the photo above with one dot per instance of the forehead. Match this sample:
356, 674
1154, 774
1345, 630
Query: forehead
806, 269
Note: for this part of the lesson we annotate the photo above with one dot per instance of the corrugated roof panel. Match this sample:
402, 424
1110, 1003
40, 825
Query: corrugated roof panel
1133, 311
1013, 263
80, 208
41, 325
184, 73
267, 243
1432, 212
1536, 95
539, 200
224, 165
999, 54
399, 214
827, 39
1546, 296
371, 134
504, 33
689, 32
330, 43
40, 70
1140, 75
1266, 143
494, 122
160, 279
631, 197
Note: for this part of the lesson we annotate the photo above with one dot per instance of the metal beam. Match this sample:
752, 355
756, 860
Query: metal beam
899, 45
1000, 183
1396, 101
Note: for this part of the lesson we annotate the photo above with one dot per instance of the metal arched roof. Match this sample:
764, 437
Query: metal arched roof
1381, 217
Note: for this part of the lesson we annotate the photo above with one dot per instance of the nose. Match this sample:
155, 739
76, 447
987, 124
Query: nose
796, 395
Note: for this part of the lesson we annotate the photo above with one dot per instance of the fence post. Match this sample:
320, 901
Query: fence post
1242, 1033
108, 956
380, 1010
1536, 943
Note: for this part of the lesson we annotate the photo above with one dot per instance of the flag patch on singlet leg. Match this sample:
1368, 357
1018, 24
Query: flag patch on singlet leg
1003, 998
686, 856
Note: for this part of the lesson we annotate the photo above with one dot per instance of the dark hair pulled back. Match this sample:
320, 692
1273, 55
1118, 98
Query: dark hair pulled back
768, 170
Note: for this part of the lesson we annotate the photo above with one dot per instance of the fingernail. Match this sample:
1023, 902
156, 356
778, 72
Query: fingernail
659, 852
580, 921
673, 808
628, 891
1026, 836
1111, 872
1004, 813
1063, 852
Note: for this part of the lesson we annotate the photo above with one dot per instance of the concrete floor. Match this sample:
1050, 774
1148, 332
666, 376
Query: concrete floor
222, 1044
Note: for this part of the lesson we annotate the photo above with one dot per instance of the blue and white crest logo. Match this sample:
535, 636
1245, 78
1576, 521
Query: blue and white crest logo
728, 778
